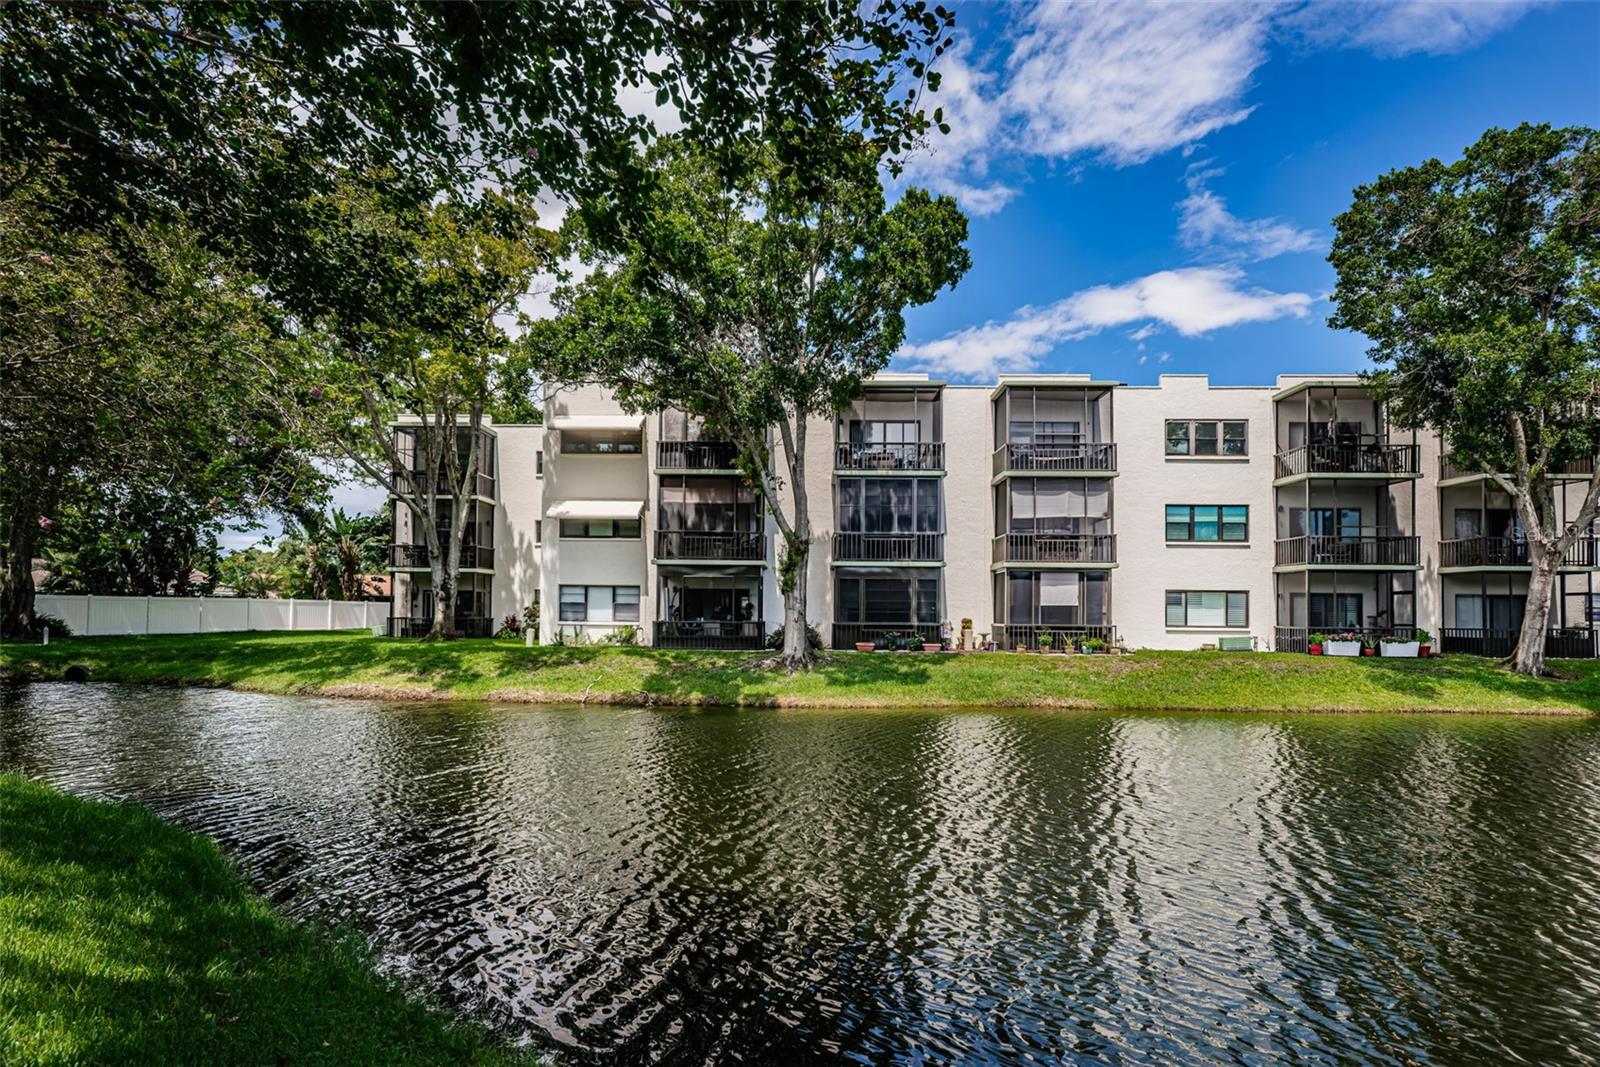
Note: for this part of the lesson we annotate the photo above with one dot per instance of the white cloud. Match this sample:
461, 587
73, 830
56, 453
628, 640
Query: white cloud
1165, 357
1128, 81
957, 162
1192, 301
1204, 221
1143, 360
1400, 27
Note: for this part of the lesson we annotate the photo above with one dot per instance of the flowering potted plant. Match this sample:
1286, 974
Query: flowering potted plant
1314, 644
1369, 645
1424, 643
1342, 644
1395, 647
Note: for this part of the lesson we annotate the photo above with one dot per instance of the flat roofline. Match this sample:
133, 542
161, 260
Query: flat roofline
1319, 383
1051, 380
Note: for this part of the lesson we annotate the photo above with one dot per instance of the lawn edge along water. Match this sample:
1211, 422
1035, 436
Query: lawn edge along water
356, 664
129, 940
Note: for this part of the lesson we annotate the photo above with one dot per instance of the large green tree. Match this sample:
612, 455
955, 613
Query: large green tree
1478, 282
429, 292
140, 380
757, 307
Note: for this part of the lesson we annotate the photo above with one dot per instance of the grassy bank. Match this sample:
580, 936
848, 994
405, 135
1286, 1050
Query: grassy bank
357, 664
125, 940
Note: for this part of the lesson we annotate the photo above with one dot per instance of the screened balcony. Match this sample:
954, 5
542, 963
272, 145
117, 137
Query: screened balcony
1331, 430
410, 446
413, 600
872, 603
1069, 606
1053, 520
1054, 429
891, 429
1483, 614
1336, 524
710, 610
408, 549
891, 520
708, 517
1371, 602
685, 443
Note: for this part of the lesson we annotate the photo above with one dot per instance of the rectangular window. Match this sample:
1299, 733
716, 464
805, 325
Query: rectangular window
1207, 437
601, 442
1208, 522
600, 528
886, 600
538, 463
1213, 609
538, 531
599, 603
889, 505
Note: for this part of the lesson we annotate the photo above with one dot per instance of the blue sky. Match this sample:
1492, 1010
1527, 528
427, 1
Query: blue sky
1151, 188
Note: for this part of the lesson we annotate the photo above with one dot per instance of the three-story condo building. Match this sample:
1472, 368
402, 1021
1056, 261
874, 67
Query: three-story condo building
1044, 508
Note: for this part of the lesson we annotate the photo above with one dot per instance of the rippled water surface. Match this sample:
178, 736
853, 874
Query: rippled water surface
904, 887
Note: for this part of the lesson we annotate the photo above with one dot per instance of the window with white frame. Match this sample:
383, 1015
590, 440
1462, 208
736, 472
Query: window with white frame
599, 528
1214, 609
1207, 437
1208, 522
599, 603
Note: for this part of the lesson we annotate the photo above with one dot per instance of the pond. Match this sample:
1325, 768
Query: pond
1006, 886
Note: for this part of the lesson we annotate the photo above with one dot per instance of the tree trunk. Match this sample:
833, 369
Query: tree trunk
1528, 657
797, 654
16, 585
444, 596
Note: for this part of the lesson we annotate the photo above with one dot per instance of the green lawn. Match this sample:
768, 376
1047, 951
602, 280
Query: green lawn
357, 664
124, 940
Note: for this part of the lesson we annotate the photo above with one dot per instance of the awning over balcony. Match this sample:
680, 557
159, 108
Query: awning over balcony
595, 509
598, 422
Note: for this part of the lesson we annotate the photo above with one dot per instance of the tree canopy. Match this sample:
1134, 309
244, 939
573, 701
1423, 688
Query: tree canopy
1478, 282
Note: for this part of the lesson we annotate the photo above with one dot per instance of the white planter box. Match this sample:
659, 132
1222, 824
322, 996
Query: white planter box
1402, 649
1342, 648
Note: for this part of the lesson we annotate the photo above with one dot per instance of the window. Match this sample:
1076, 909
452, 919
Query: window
1208, 522
889, 505
1320, 522
1054, 506
886, 599
1055, 598
1211, 608
599, 528
538, 531
1326, 612
599, 603
601, 443
1493, 612
538, 464
1207, 438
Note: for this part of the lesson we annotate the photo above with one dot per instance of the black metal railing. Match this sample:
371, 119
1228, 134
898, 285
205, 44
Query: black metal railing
1512, 552
1366, 454
1055, 548
689, 544
442, 486
462, 626
1327, 550
1014, 637
889, 548
1578, 468
476, 556
901, 456
709, 633
847, 635
1570, 643
1083, 456
1297, 638
697, 455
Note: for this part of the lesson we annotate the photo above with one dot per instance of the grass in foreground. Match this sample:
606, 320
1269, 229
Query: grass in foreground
125, 940
357, 664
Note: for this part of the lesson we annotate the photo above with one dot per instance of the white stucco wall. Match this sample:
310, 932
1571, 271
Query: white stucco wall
521, 505
1149, 480
968, 508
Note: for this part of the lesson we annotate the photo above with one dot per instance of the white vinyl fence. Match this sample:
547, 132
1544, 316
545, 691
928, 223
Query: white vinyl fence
104, 616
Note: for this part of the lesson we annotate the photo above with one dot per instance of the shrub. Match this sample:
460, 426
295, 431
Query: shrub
1422, 637
57, 625
510, 627
813, 638
623, 635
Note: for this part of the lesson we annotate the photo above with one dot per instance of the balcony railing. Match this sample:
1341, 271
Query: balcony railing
906, 456
1578, 468
709, 633
479, 557
688, 544
1055, 548
442, 485
1366, 454
462, 626
696, 455
1511, 552
1558, 643
847, 634
1297, 638
1013, 637
1321, 550
1083, 456
889, 548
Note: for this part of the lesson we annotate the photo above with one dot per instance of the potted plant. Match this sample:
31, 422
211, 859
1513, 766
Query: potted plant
1392, 646
865, 646
1369, 645
1092, 644
1424, 643
1045, 641
1315, 642
1342, 644
966, 633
